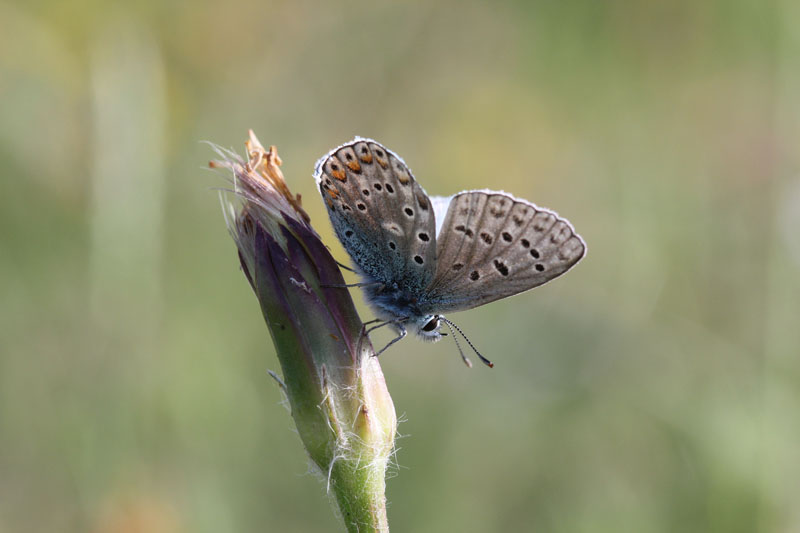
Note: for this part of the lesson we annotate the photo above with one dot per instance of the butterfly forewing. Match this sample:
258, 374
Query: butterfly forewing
492, 245
380, 214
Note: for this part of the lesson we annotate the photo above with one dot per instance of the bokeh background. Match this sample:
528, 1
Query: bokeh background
654, 388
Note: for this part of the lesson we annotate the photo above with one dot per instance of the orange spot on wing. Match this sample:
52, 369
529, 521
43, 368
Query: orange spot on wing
334, 193
339, 175
366, 158
354, 166
382, 162
403, 179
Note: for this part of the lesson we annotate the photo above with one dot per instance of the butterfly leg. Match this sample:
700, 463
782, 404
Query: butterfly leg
396, 323
346, 285
400, 336
342, 265
373, 328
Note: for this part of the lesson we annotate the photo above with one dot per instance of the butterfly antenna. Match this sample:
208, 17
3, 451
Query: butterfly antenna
482, 358
455, 338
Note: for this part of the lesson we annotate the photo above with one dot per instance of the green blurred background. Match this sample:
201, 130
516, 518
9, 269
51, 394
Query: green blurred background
654, 388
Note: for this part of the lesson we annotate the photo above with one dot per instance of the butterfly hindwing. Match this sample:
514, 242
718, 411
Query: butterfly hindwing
380, 213
492, 245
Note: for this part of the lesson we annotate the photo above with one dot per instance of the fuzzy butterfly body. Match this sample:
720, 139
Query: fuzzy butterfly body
489, 245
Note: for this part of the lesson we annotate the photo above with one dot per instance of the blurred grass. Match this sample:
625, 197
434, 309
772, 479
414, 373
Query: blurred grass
654, 388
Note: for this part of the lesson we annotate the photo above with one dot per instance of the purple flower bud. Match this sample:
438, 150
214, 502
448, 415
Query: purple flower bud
336, 390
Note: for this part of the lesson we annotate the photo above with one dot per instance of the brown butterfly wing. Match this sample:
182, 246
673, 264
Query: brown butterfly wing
492, 245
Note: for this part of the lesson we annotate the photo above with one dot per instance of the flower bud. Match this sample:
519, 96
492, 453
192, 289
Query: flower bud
335, 387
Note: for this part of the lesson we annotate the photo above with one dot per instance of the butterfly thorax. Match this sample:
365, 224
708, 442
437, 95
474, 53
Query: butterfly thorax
401, 309
390, 302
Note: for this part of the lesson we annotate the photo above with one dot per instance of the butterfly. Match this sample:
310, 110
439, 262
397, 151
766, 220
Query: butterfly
421, 256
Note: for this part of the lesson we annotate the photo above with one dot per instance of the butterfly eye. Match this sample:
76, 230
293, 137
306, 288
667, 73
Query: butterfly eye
431, 325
